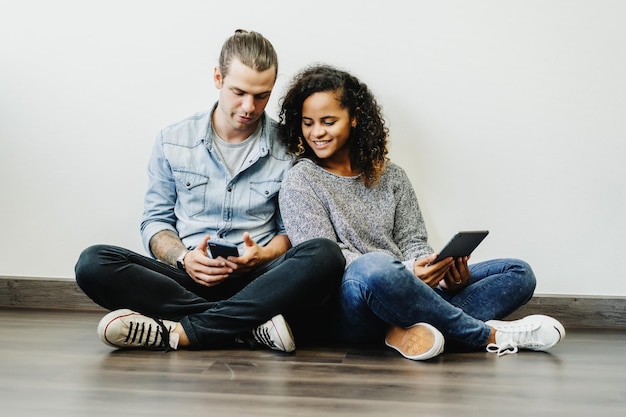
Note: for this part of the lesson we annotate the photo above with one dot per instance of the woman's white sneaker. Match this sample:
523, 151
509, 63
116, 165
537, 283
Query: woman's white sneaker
418, 342
535, 332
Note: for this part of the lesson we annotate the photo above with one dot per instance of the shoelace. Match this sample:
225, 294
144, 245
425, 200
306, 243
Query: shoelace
161, 336
502, 349
518, 336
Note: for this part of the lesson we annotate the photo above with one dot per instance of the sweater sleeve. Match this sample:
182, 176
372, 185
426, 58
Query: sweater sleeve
304, 214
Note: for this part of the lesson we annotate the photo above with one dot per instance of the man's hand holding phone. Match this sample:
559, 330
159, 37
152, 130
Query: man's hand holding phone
205, 270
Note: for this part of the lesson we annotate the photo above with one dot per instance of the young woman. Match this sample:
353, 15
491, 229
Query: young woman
343, 187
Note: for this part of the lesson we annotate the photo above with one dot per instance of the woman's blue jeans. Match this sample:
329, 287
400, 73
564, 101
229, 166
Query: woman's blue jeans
297, 285
377, 291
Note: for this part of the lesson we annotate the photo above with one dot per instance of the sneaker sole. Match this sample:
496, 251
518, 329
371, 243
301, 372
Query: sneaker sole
418, 342
284, 333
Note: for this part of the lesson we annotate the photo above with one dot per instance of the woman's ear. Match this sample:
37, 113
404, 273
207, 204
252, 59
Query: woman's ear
355, 118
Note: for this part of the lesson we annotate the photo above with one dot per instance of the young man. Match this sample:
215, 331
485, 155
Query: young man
214, 177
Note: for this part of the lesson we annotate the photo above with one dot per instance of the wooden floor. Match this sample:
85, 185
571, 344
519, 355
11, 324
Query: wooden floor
53, 364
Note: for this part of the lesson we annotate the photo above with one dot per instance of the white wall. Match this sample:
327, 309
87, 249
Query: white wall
507, 115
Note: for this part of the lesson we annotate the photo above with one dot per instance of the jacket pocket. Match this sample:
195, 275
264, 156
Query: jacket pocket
191, 190
263, 199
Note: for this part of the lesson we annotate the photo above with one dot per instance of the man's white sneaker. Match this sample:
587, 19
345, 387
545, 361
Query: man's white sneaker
418, 342
127, 329
275, 334
535, 332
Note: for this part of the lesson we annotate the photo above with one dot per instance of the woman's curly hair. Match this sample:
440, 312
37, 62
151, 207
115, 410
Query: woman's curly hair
368, 140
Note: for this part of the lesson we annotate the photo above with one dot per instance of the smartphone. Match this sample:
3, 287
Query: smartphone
462, 244
220, 248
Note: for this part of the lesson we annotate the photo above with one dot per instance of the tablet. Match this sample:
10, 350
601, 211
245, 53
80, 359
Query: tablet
462, 244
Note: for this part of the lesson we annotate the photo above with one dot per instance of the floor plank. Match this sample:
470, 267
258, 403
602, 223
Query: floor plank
52, 364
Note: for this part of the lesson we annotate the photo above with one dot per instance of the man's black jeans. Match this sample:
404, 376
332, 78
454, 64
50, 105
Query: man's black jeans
295, 285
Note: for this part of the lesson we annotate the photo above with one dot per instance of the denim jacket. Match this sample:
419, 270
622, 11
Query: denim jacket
192, 193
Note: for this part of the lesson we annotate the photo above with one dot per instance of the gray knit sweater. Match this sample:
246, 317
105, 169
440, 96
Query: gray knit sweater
384, 218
